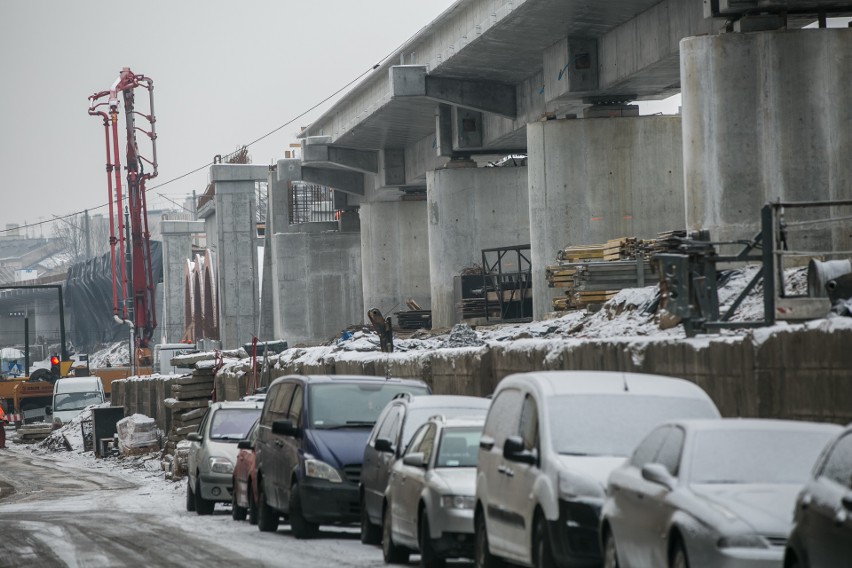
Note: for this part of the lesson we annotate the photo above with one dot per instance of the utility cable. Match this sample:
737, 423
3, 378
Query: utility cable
208, 164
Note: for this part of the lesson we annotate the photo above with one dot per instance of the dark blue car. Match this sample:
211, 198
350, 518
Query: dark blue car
310, 447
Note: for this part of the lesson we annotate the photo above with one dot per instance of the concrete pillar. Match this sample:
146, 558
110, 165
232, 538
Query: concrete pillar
236, 250
591, 180
314, 271
177, 249
766, 115
471, 209
395, 254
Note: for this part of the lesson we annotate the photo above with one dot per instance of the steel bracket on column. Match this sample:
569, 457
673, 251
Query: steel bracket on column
366, 161
341, 180
483, 96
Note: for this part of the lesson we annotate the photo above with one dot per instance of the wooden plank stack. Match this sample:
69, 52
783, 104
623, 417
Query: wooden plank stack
593, 274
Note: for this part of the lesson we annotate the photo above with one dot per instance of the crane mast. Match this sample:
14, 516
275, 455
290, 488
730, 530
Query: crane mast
132, 300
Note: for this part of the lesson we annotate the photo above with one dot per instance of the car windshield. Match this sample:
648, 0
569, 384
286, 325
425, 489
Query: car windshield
612, 425
459, 447
340, 405
418, 416
755, 456
76, 400
232, 424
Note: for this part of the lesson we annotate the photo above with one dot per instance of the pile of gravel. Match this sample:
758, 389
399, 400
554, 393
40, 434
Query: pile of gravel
462, 336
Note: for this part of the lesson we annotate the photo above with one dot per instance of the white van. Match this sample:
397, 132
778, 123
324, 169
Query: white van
73, 394
163, 353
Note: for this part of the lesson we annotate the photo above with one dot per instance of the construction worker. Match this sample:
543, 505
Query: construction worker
2, 428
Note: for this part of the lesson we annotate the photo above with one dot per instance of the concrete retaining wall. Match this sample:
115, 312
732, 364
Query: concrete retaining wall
801, 373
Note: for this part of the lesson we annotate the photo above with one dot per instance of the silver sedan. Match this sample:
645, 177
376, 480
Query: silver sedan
714, 493
430, 494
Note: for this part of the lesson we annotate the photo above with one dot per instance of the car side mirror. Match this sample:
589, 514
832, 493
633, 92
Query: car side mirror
244, 445
417, 459
513, 450
657, 473
48, 410
285, 428
383, 445
847, 501
193, 437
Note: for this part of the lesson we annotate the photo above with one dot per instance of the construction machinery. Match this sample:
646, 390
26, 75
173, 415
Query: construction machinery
130, 248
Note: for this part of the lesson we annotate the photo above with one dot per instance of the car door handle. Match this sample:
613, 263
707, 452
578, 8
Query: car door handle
506, 471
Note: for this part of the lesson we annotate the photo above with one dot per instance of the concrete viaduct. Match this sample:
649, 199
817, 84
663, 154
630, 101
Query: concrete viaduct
767, 113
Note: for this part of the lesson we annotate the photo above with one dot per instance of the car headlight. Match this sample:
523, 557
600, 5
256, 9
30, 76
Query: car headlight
321, 470
457, 502
573, 486
743, 541
221, 465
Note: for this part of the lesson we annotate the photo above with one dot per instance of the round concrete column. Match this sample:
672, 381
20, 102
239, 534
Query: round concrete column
595, 179
766, 115
394, 254
471, 209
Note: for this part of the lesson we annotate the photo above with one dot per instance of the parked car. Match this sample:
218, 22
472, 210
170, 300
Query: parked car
71, 395
244, 502
388, 440
310, 447
550, 441
431, 493
213, 452
709, 493
822, 525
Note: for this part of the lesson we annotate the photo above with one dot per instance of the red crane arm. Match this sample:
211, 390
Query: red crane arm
129, 244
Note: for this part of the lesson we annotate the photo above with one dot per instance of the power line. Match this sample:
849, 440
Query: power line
208, 164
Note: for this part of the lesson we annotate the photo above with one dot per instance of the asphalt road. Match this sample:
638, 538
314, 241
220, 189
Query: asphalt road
53, 512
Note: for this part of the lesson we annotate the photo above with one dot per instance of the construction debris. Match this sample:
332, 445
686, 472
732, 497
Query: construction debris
137, 434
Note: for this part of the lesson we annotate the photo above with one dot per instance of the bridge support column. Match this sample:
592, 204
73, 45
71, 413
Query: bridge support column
177, 249
231, 229
471, 209
591, 180
394, 254
314, 270
766, 116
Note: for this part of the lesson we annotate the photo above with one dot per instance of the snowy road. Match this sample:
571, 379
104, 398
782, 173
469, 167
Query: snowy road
71, 510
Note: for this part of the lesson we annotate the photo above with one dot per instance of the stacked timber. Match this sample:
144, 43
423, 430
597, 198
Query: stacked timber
593, 274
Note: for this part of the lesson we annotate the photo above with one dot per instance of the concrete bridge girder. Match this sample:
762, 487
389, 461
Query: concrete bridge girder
478, 95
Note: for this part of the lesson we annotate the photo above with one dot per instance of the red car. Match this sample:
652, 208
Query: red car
244, 503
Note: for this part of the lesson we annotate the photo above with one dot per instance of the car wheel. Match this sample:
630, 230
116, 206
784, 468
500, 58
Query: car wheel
238, 513
202, 506
429, 557
267, 517
252, 510
392, 553
610, 556
482, 557
541, 544
190, 498
678, 557
370, 533
301, 527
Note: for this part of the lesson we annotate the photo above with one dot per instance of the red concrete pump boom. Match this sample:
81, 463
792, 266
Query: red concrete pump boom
136, 300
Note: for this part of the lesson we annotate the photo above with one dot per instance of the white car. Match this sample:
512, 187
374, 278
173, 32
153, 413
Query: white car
550, 441
213, 453
430, 494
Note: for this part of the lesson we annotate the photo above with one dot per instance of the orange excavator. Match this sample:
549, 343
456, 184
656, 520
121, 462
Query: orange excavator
133, 300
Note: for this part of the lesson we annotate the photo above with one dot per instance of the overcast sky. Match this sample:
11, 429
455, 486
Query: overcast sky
225, 73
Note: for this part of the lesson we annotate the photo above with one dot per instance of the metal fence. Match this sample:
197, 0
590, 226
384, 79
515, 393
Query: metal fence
310, 203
